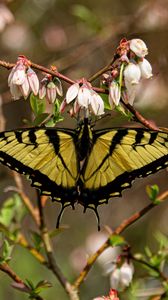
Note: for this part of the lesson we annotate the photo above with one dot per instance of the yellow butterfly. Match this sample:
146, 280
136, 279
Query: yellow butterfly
84, 165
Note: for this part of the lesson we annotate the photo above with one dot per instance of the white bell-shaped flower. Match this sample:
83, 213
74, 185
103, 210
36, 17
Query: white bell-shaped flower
84, 96
130, 93
96, 103
114, 94
146, 68
138, 47
72, 92
132, 73
122, 277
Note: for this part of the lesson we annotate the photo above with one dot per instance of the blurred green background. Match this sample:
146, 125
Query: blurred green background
80, 37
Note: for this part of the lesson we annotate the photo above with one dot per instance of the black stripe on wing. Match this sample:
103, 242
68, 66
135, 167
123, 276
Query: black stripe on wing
40, 181
114, 189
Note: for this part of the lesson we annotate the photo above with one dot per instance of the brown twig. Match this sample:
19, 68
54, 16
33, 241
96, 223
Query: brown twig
22, 241
6, 269
126, 223
139, 117
33, 211
103, 70
51, 259
19, 283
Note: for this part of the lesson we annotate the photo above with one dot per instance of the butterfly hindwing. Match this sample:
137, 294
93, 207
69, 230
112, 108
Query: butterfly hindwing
118, 157
47, 156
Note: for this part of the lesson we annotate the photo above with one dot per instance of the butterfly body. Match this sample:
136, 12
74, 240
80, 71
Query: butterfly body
84, 165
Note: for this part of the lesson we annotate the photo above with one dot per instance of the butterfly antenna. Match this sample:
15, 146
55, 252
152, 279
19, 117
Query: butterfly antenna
98, 218
60, 216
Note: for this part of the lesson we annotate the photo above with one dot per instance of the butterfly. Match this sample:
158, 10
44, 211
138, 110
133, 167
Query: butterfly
84, 165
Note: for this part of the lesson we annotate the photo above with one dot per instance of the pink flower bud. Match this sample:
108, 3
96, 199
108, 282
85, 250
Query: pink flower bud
146, 68
138, 47
76, 107
72, 92
19, 75
114, 94
71, 112
42, 91
132, 73
63, 106
51, 92
33, 81
112, 296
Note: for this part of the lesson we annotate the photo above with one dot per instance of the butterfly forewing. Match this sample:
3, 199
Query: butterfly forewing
48, 156
119, 156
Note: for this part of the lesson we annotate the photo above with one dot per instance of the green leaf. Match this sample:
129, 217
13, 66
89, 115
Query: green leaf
50, 123
39, 119
156, 261
105, 100
165, 284
127, 114
148, 251
121, 75
87, 16
30, 284
37, 241
152, 192
162, 240
44, 284
56, 117
151, 271
37, 105
35, 290
12, 210
116, 240
7, 251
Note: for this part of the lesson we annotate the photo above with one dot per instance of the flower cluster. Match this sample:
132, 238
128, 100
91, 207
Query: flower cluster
121, 277
112, 296
82, 96
22, 79
127, 71
50, 87
132, 67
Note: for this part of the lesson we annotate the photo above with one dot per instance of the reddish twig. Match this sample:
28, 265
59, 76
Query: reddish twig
18, 282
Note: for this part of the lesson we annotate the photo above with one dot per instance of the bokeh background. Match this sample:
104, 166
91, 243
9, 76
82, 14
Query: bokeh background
80, 37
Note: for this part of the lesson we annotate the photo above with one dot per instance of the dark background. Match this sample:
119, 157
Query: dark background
80, 38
